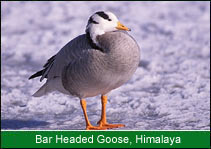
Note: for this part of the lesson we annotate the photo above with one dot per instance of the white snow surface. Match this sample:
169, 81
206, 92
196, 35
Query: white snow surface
169, 90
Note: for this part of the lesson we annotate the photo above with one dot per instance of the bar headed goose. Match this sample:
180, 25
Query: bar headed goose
92, 64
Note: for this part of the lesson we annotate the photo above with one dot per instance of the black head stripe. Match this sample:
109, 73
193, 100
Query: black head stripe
103, 15
92, 21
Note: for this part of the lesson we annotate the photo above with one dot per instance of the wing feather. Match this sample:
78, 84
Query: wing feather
71, 52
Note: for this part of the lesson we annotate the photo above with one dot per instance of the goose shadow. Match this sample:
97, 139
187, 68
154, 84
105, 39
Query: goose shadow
18, 124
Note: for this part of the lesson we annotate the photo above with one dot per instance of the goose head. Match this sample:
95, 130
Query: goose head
100, 23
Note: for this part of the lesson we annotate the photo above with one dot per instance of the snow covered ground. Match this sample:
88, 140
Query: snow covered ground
170, 89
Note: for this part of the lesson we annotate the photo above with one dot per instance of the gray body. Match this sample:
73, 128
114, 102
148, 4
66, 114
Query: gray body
82, 71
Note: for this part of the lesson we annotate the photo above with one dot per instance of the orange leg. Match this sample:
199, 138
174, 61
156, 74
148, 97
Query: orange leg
103, 122
89, 126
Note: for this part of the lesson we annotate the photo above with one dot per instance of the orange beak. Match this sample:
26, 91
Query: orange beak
122, 27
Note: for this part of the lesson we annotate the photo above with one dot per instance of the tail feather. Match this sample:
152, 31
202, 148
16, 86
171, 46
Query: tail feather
37, 74
49, 86
42, 91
